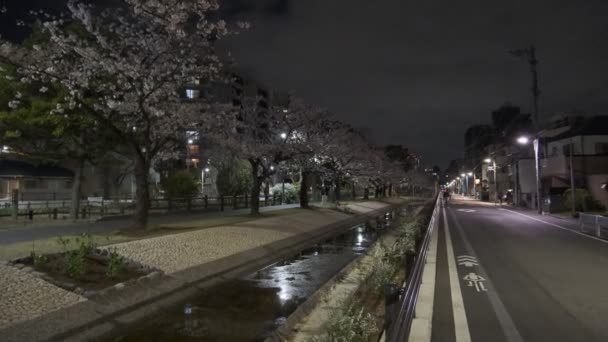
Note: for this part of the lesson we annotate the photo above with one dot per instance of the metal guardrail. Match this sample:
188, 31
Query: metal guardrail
594, 224
399, 329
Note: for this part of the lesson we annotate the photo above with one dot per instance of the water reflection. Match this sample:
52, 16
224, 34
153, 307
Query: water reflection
250, 308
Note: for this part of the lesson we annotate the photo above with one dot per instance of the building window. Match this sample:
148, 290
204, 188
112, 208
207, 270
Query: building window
192, 93
601, 148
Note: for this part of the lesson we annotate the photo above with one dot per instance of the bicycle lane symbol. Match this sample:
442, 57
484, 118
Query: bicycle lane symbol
475, 280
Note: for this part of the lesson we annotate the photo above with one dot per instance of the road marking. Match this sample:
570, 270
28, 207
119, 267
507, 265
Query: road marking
477, 280
467, 261
504, 319
557, 226
461, 326
466, 210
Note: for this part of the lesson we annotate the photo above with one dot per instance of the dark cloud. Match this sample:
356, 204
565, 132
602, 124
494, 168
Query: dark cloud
418, 73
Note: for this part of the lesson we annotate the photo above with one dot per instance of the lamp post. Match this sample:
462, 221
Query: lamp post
471, 174
490, 160
205, 170
524, 141
465, 190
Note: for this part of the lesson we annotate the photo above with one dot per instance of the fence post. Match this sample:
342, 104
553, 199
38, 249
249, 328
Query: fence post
246, 201
15, 204
189, 204
169, 204
30, 214
222, 203
83, 215
265, 200
580, 221
598, 230
234, 200
206, 201
391, 296
55, 212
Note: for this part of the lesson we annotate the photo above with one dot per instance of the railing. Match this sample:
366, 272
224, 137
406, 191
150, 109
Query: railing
119, 206
399, 328
594, 224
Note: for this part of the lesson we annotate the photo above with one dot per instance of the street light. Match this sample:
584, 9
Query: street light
205, 170
490, 160
470, 174
523, 140
283, 135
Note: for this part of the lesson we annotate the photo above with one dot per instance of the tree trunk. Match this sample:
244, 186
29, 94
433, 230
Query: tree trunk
255, 188
142, 193
304, 190
337, 191
354, 191
76, 190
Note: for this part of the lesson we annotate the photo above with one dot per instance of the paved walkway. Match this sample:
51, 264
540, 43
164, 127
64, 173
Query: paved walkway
41, 232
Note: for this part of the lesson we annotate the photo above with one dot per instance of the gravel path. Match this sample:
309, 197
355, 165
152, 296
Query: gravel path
177, 252
24, 296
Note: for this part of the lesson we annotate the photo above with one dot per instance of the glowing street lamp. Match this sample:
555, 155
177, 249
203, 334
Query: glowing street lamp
470, 174
523, 140
283, 135
487, 160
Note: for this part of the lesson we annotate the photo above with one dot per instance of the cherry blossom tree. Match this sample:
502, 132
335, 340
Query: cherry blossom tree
123, 68
265, 137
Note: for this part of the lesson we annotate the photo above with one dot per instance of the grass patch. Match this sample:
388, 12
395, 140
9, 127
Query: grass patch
50, 245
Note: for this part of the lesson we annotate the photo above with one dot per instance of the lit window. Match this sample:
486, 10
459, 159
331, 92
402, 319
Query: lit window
191, 93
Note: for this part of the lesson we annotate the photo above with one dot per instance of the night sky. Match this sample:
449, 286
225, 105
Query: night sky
418, 73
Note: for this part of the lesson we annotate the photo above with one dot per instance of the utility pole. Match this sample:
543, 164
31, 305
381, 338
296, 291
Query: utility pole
572, 184
530, 54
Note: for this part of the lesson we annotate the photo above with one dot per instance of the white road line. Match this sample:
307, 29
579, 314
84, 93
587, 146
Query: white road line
504, 319
461, 326
556, 226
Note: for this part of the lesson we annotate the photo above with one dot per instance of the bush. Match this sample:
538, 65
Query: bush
291, 194
180, 185
583, 200
383, 266
349, 323
234, 178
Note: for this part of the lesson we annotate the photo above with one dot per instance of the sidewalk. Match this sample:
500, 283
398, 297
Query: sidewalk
186, 257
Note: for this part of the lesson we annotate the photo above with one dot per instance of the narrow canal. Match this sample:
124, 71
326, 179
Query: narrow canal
252, 307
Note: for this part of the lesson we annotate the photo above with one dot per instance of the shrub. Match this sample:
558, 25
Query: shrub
234, 178
349, 323
115, 265
408, 232
291, 194
180, 185
76, 258
583, 200
383, 267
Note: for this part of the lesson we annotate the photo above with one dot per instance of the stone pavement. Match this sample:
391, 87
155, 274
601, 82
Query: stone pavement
23, 296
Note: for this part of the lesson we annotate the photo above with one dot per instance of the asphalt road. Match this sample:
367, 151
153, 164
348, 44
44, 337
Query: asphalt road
522, 277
